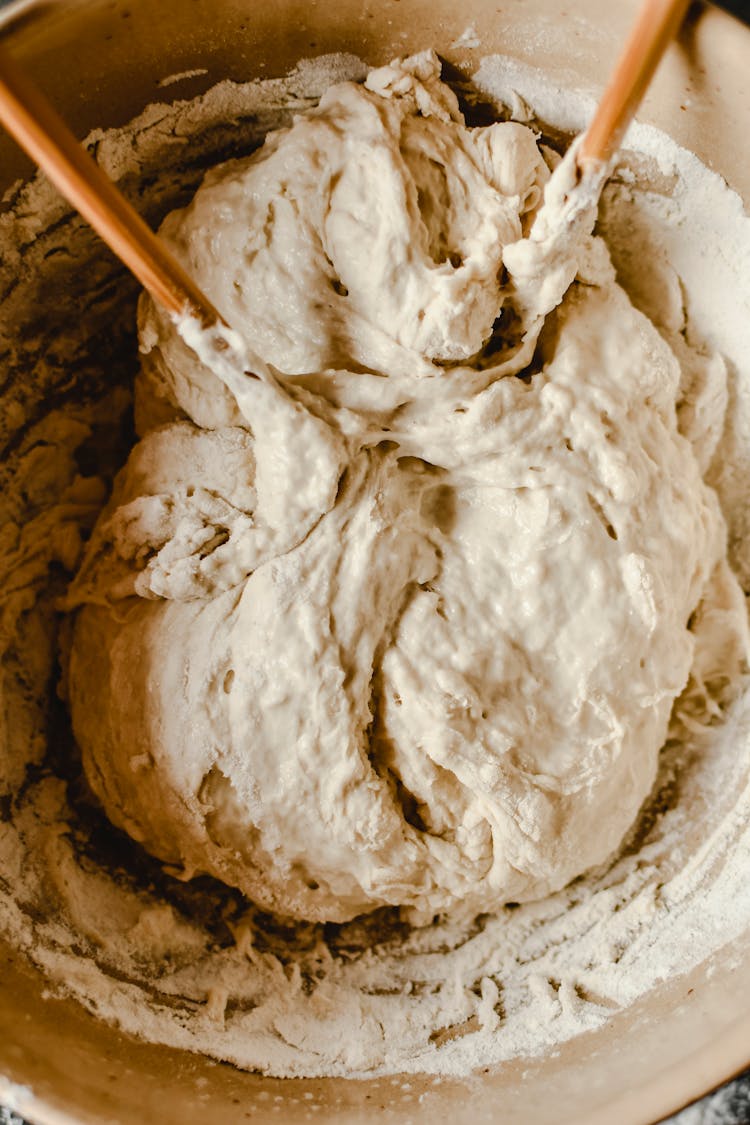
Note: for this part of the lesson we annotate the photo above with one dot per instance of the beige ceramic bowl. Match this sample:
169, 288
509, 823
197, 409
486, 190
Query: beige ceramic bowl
101, 61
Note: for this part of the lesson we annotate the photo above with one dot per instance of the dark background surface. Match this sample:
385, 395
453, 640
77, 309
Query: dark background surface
730, 1105
739, 8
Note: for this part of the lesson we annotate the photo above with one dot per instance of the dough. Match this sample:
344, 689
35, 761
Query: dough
391, 625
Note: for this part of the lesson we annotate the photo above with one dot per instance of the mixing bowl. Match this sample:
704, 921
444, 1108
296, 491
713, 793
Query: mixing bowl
102, 62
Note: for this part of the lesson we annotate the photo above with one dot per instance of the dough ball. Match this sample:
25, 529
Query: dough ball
393, 626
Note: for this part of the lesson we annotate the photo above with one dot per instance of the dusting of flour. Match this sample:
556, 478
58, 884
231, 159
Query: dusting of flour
192, 964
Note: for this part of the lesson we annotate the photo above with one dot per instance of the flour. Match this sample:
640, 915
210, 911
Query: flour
192, 964
182, 76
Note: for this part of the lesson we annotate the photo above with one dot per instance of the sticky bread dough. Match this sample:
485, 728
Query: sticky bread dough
390, 625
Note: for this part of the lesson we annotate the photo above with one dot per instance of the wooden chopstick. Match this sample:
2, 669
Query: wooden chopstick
657, 23
41, 132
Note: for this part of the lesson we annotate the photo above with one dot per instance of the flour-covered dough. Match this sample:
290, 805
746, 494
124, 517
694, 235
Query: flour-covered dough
402, 621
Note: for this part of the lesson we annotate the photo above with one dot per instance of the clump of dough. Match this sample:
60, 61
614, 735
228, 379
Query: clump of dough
391, 626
